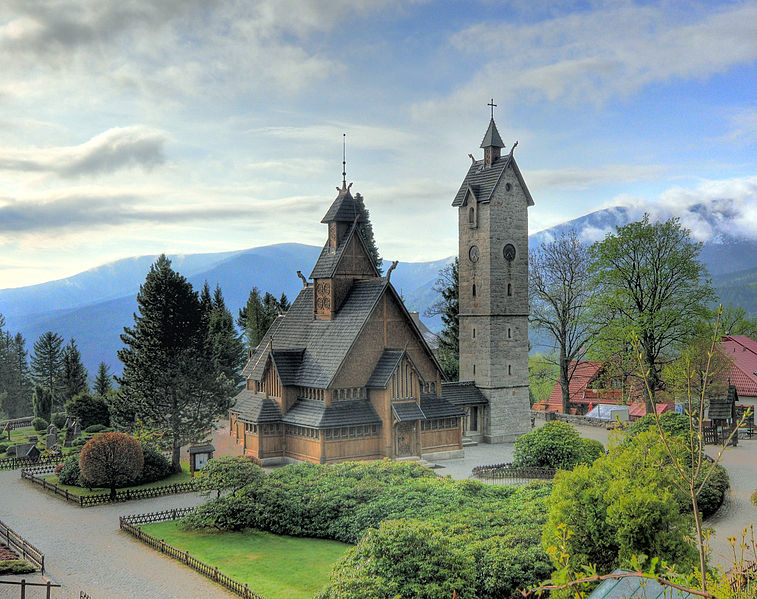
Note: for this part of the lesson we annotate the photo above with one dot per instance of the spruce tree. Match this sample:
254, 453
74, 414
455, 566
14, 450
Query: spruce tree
15, 383
168, 380
447, 285
43, 403
226, 348
284, 303
103, 380
47, 365
366, 232
252, 319
74, 375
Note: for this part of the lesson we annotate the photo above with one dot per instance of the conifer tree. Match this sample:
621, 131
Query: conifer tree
47, 364
226, 348
252, 319
284, 303
447, 285
168, 380
15, 383
103, 380
74, 375
366, 232
43, 403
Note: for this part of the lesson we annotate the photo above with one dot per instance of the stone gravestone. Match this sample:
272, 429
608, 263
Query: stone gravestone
73, 430
52, 437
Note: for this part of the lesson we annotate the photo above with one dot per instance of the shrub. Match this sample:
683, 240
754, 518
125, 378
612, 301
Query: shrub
229, 473
591, 449
754, 497
89, 409
111, 460
672, 423
156, 466
96, 428
78, 442
554, 445
39, 424
70, 474
16, 566
711, 496
59, 420
4, 447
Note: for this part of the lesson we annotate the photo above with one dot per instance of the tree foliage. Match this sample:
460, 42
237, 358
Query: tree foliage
448, 286
560, 295
228, 474
89, 409
542, 375
15, 382
686, 374
169, 381
103, 381
73, 374
47, 366
648, 281
111, 460
226, 348
257, 315
43, 403
365, 228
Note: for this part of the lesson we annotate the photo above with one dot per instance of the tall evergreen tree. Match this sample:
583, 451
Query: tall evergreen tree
226, 347
447, 285
15, 383
103, 380
43, 403
74, 375
366, 232
284, 303
252, 319
47, 365
168, 380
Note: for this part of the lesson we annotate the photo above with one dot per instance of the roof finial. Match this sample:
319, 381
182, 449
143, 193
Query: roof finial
492, 104
344, 160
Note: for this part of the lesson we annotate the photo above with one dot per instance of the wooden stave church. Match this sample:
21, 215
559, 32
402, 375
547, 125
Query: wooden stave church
346, 374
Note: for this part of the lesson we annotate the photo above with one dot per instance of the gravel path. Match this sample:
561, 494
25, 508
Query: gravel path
85, 550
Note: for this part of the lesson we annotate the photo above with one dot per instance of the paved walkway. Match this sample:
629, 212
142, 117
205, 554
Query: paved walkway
85, 550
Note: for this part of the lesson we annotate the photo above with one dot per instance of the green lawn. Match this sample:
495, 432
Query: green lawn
276, 567
182, 477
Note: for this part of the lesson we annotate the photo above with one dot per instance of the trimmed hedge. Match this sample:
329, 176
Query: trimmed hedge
39, 424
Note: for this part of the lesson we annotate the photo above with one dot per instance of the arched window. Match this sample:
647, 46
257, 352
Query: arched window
471, 215
509, 289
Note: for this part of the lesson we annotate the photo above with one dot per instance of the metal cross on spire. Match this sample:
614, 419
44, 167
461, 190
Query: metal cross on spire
492, 104
344, 160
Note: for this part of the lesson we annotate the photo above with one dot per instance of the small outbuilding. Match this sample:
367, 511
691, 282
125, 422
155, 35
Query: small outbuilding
199, 456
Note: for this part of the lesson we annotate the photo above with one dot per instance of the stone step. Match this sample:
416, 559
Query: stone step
469, 442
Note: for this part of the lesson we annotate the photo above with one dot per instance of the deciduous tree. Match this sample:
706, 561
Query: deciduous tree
168, 381
648, 280
111, 460
229, 473
560, 296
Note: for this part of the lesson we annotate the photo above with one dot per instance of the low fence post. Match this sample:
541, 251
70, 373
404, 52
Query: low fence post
23, 588
48, 589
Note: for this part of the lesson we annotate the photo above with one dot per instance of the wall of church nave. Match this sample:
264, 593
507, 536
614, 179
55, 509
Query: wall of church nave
352, 449
441, 440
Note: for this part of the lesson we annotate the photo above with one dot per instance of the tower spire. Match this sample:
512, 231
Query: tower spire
344, 160
492, 142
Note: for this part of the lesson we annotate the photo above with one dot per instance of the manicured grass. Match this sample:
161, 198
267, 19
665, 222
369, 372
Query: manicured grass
274, 566
15, 566
182, 477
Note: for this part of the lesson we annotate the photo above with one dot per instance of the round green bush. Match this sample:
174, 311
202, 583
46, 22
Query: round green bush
89, 409
672, 423
554, 445
70, 474
40, 424
156, 467
591, 449
713, 493
59, 420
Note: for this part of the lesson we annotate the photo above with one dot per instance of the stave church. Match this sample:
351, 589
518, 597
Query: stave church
346, 374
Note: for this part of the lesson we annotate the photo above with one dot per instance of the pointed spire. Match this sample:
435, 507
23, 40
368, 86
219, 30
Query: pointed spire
492, 138
344, 208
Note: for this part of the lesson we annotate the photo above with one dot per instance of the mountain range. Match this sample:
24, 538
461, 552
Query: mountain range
94, 306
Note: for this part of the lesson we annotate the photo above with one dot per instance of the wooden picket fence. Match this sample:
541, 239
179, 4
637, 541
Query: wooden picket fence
14, 423
28, 551
507, 474
30, 474
16, 463
129, 524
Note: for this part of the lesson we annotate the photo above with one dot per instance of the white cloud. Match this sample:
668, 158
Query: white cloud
574, 178
612, 51
107, 152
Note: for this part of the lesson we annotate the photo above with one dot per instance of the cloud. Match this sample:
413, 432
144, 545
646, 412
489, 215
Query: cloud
715, 210
613, 51
110, 151
574, 178
743, 127
92, 209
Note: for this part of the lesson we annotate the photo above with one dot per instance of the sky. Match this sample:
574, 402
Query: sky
188, 126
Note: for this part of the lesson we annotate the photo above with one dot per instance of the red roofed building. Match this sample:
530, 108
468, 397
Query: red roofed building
743, 351
588, 388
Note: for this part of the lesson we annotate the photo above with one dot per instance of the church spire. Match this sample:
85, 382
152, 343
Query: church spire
492, 142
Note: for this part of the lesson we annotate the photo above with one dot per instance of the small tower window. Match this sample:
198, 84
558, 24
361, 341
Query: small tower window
509, 289
471, 216
474, 333
509, 369
474, 290
509, 333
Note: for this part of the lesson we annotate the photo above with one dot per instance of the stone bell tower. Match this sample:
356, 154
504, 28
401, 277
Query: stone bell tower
492, 208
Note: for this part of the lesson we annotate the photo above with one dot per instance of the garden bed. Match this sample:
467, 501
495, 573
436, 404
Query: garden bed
275, 566
181, 477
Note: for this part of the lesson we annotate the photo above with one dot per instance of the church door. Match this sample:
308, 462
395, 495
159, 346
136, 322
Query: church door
404, 439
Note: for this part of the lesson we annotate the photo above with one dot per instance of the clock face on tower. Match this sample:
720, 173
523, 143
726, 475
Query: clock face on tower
473, 253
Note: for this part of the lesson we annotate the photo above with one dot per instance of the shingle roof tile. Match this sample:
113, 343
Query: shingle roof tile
463, 393
255, 407
316, 414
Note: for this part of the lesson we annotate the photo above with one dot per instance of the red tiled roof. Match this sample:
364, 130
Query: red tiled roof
743, 351
639, 409
585, 373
